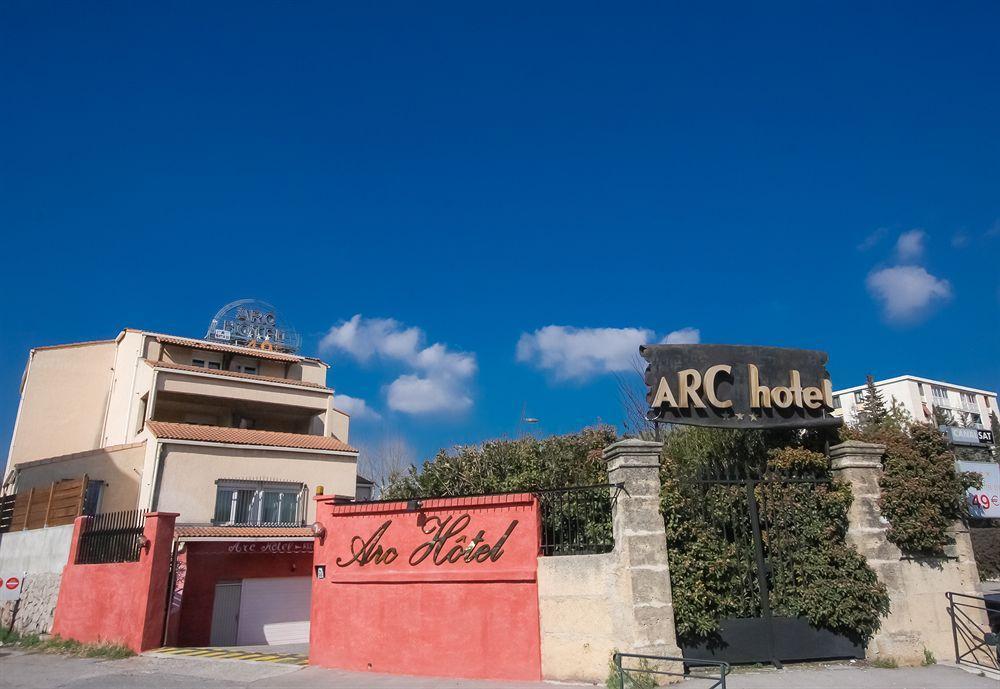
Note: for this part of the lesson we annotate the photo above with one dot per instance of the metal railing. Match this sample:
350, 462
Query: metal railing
577, 521
111, 537
975, 628
639, 670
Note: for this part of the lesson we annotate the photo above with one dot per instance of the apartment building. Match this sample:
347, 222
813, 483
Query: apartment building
966, 410
236, 432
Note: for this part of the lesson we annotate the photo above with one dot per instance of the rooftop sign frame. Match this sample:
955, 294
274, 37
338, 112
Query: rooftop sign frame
253, 324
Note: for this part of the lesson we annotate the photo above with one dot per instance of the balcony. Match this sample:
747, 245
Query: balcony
176, 407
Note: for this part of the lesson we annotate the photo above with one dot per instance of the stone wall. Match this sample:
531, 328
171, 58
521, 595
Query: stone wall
918, 617
578, 605
592, 605
40, 555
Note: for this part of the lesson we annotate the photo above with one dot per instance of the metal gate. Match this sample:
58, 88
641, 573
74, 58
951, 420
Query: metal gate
759, 513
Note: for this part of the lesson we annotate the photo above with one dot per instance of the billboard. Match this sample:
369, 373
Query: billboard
984, 503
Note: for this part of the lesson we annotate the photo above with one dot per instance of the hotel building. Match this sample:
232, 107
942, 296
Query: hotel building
235, 437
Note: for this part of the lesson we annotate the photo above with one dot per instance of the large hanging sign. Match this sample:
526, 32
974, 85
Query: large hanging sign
732, 386
254, 324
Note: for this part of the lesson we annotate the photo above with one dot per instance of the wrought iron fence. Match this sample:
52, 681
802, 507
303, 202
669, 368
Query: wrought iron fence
640, 670
111, 537
975, 628
577, 521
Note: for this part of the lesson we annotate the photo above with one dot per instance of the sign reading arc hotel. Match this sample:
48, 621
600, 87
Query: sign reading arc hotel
733, 386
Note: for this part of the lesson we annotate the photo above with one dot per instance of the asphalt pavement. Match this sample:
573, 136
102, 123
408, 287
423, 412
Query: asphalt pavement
21, 670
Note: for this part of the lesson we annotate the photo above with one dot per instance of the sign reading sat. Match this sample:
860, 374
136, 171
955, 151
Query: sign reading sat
734, 386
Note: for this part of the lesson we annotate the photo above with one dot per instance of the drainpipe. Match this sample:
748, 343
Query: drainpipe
154, 488
131, 394
107, 406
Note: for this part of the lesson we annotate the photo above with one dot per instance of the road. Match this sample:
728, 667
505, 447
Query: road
19, 670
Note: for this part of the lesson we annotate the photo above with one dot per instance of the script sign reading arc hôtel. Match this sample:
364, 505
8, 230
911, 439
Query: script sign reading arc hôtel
734, 386
448, 544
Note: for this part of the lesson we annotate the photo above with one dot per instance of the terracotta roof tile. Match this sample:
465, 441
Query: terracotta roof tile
204, 531
167, 430
216, 347
233, 374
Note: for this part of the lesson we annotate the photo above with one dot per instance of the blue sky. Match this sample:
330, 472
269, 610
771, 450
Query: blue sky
810, 175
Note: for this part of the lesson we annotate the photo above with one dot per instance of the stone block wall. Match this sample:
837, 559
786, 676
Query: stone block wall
578, 615
919, 618
592, 605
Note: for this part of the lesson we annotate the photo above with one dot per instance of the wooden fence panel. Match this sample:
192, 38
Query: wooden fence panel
53, 505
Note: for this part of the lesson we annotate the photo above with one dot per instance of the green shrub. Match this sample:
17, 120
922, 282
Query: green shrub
640, 678
922, 494
505, 465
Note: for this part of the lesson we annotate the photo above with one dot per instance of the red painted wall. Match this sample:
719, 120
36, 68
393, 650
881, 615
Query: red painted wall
459, 618
121, 603
202, 565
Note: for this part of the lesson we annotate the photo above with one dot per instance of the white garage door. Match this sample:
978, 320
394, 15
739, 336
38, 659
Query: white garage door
275, 611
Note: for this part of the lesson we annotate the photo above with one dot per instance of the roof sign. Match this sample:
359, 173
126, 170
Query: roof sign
254, 324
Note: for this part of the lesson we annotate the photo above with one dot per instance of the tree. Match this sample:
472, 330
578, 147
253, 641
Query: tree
943, 417
874, 411
995, 427
384, 462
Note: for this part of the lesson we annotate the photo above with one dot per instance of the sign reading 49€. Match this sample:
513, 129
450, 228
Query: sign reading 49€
984, 502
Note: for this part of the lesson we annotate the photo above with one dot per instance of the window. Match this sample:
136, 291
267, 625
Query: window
920, 389
859, 397
836, 401
92, 498
260, 502
203, 363
968, 399
246, 369
939, 393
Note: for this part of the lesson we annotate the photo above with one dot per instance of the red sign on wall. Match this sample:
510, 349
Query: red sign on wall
10, 588
447, 589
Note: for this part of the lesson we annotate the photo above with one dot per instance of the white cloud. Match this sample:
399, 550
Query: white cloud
579, 353
906, 291
356, 407
959, 240
439, 377
910, 245
413, 394
683, 336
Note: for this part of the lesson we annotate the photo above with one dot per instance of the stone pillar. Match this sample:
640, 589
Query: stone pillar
647, 612
918, 618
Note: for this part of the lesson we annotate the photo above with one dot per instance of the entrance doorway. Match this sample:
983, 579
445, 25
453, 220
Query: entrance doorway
226, 613
275, 611
261, 612
747, 509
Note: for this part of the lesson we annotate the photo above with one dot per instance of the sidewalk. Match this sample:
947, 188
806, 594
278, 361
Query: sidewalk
19, 670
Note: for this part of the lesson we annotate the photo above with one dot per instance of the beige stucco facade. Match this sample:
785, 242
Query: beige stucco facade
63, 401
84, 409
186, 480
119, 468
